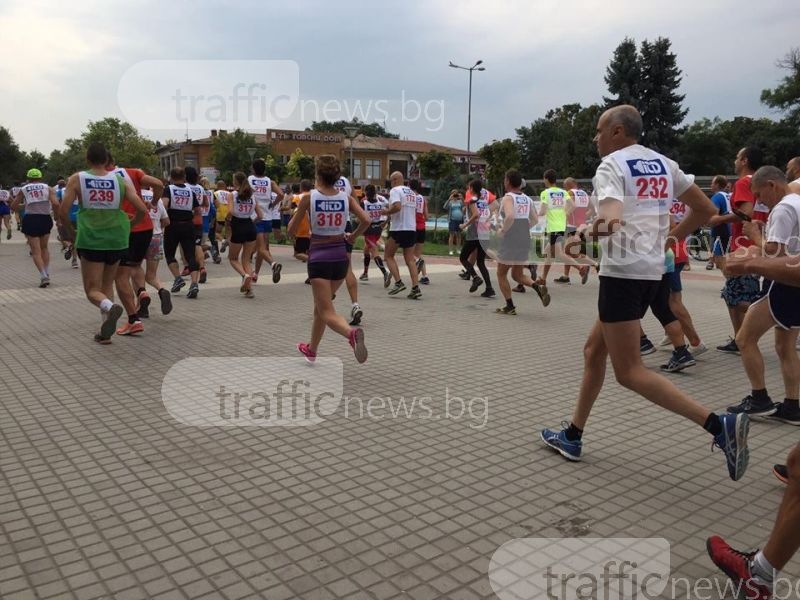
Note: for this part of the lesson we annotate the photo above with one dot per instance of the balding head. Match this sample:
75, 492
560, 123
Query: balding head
628, 118
396, 178
570, 183
793, 168
618, 127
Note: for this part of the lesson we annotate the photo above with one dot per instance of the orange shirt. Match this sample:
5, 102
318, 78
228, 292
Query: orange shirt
145, 224
304, 229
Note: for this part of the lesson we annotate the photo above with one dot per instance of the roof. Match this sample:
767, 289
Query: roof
261, 139
363, 142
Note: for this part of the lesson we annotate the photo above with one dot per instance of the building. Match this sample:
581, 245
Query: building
373, 158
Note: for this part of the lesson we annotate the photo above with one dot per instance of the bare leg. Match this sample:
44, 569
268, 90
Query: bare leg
785, 342
784, 541
756, 323
679, 310
45, 252
411, 263
36, 253
324, 311
595, 354
502, 281
389, 259
125, 290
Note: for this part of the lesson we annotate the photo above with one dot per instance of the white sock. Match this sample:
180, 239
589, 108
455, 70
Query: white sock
43, 273
355, 305
762, 571
105, 305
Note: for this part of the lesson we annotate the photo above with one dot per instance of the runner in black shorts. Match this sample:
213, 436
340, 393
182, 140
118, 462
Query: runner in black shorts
182, 205
243, 234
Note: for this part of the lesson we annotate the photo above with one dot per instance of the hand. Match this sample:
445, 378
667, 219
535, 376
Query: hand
740, 261
349, 238
462, 227
752, 229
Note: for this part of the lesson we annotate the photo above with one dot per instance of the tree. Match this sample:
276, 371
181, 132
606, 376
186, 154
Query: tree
659, 103
229, 152
275, 170
786, 96
501, 155
440, 169
374, 129
623, 74
11, 163
300, 166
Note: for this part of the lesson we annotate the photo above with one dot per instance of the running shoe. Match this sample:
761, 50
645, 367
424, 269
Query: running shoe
254, 277
8, 234
130, 328
144, 305
784, 414
464, 275
215, 256
307, 281
733, 441
544, 295
730, 347
356, 340
44, 282
398, 287
166, 301
177, 286
698, 350
247, 283
415, 293
563, 279
557, 440
476, 283
738, 566
749, 406
506, 310
185, 271
306, 351
665, 342
420, 264
203, 276
194, 289
249, 294
276, 272
584, 275
109, 326
224, 246
709, 266
451, 253
646, 346
364, 277
101, 340
387, 279
781, 472
425, 280
488, 293
74, 262
68, 253
520, 288
355, 314
678, 362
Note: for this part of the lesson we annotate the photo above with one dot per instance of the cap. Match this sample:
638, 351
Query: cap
34, 174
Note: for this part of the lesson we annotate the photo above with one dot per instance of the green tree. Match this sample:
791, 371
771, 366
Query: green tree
439, 168
374, 129
623, 75
275, 170
501, 156
659, 102
786, 96
703, 149
230, 152
11, 159
300, 166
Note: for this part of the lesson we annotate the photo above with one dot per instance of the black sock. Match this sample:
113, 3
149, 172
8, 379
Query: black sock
572, 433
509, 303
132, 319
681, 350
399, 282
642, 337
713, 425
140, 290
366, 262
760, 396
791, 405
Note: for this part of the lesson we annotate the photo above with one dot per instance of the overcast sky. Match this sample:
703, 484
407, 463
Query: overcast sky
66, 63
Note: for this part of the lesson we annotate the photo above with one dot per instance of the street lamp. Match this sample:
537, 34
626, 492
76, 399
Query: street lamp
475, 67
351, 134
252, 153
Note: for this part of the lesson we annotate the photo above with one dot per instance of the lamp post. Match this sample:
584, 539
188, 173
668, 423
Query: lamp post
475, 67
252, 153
351, 135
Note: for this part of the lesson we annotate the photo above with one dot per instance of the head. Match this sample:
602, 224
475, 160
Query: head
719, 183
748, 160
549, 177
475, 187
97, 155
414, 185
259, 167
793, 169
513, 180
295, 188
190, 174
370, 191
242, 186
110, 162
306, 185
221, 185
34, 174
205, 183
570, 184
61, 182
177, 175
769, 185
328, 170
617, 128
396, 179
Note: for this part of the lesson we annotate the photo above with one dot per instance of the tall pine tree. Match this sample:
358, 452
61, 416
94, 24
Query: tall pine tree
660, 103
623, 74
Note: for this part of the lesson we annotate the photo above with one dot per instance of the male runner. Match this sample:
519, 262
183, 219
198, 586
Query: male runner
576, 224
373, 204
556, 204
343, 185
402, 213
263, 188
421, 217
182, 206
38, 199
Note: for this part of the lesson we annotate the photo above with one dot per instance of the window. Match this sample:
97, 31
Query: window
373, 169
355, 172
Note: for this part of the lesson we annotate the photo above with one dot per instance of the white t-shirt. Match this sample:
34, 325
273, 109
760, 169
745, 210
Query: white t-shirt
373, 208
646, 182
783, 223
262, 193
406, 218
157, 213
343, 185
275, 211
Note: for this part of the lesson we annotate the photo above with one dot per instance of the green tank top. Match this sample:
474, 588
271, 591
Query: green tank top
106, 228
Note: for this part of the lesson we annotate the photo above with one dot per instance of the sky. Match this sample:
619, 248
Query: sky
166, 66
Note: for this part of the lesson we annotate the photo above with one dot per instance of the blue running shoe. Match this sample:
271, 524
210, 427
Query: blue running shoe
646, 346
733, 441
557, 440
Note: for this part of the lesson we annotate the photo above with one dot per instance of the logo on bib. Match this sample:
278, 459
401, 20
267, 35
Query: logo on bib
646, 167
329, 205
100, 184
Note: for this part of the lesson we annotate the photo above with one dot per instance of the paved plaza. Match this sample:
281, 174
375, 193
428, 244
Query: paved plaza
103, 495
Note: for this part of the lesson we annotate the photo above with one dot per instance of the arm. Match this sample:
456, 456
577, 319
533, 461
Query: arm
393, 207
299, 213
700, 211
165, 198
570, 202
277, 190
154, 184
609, 218
783, 269
259, 212
70, 194
508, 209
17, 201
363, 219
54, 204
425, 208
138, 204
474, 215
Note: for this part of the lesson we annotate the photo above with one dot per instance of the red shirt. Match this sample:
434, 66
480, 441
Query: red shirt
145, 224
742, 195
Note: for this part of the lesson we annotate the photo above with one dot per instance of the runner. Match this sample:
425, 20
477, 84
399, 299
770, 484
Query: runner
222, 198
455, 218
155, 252
793, 174
356, 312
477, 233
5, 212
374, 206
328, 210
182, 205
576, 225
130, 275
402, 211
193, 183
102, 237
302, 241
277, 221
38, 199
555, 204
63, 233
779, 309
243, 234
421, 217
20, 211
209, 213
517, 218
634, 186
720, 230
263, 188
